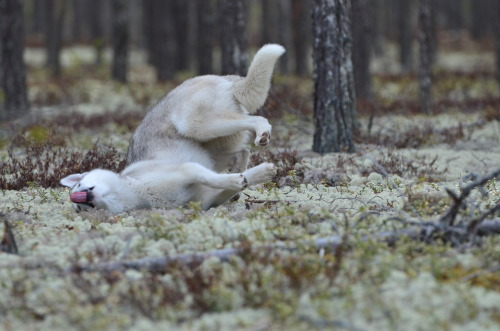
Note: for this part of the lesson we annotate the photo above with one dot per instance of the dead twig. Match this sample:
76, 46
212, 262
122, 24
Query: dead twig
8, 243
458, 200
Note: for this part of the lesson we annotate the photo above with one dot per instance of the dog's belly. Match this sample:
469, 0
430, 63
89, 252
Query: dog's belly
222, 149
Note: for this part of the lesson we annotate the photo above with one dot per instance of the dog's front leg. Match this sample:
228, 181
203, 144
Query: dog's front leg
215, 128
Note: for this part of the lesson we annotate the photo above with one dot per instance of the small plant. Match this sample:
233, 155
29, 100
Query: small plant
45, 163
284, 161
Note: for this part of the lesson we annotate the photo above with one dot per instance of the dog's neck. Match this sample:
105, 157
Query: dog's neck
125, 198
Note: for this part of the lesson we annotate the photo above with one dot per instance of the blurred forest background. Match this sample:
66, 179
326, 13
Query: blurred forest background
184, 38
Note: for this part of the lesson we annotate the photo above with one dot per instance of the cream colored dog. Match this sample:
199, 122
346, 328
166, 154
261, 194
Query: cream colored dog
186, 145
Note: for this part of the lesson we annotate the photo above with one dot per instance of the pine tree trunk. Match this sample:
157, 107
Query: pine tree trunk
361, 48
268, 26
162, 46
480, 21
405, 35
284, 32
425, 53
205, 36
496, 29
334, 107
234, 43
54, 18
120, 37
301, 35
96, 9
181, 22
13, 71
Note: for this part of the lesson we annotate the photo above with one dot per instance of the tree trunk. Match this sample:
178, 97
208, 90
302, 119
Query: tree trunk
96, 8
480, 23
301, 30
54, 19
425, 53
205, 36
269, 28
234, 43
13, 71
405, 35
120, 37
284, 32
77, 20
334, 107
181, 17
452, 12
379, 37
361, 48
162, 39
496, 29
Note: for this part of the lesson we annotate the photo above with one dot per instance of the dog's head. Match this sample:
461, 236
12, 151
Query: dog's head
92, 189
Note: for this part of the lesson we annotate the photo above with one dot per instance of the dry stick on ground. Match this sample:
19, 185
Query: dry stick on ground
8, 242
446, 222
459, 200
159, 264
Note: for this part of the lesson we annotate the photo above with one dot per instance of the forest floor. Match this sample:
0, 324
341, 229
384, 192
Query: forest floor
342, 241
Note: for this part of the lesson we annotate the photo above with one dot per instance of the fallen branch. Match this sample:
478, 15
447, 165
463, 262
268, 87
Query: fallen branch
458, 200
160, 264
8, 242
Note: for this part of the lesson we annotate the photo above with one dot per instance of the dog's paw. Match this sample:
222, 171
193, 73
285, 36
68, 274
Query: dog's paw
262, 131
262, 173
237, 182
268, 171
263, 139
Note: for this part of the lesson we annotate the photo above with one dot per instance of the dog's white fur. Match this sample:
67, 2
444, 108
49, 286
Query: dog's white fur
187, 143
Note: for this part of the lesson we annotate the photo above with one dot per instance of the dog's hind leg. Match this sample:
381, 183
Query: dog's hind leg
240, 161
195, 173
259, 174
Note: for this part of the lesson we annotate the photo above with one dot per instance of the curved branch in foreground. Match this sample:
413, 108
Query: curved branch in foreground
451, 214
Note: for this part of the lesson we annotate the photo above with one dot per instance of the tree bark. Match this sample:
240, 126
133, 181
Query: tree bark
161, 43
234, 42
96, 9
12, 68
120, 40
361, 47
334, 106
405, 35
54, 19
480, 23
425, 53
268, 32
301, 30
496, 29
181, 17
205, 36
284, 32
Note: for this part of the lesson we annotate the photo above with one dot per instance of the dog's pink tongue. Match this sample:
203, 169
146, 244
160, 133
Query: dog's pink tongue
78, 197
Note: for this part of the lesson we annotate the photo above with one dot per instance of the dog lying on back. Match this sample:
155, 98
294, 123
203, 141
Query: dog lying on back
191, 146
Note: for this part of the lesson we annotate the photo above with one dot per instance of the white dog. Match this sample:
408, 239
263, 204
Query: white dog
187, 143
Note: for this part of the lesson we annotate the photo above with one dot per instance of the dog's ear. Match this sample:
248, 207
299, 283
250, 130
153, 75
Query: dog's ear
71, 180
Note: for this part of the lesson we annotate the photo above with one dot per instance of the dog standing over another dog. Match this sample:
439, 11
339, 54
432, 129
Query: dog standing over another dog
190, 146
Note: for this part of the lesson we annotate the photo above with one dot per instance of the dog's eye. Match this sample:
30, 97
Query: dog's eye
91, 188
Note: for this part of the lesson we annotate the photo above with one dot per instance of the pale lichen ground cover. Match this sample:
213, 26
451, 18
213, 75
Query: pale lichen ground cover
362, 285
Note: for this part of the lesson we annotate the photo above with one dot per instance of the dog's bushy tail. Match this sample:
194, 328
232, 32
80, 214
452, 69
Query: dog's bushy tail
252, 91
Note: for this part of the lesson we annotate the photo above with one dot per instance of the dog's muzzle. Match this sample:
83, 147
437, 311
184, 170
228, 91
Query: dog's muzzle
84, 197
